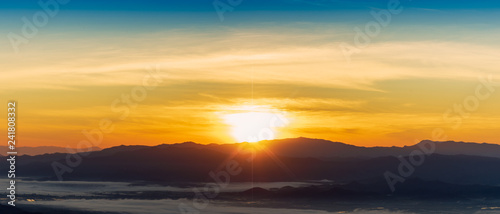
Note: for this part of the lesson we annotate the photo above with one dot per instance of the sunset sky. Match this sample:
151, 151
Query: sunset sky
279, 57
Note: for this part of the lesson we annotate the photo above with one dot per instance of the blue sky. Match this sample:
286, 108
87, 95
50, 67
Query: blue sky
253, 5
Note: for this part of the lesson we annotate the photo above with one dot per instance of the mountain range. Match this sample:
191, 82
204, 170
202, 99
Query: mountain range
300, 147
318, 148
40, 150
295, 159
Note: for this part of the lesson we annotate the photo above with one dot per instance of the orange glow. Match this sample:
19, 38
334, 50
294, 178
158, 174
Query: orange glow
254, 123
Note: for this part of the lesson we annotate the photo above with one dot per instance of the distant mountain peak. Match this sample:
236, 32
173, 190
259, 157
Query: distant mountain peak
40, 150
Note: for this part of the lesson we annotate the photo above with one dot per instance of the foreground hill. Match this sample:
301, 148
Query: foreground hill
13, 210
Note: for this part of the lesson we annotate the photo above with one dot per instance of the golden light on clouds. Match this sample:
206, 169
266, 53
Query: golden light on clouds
391, 93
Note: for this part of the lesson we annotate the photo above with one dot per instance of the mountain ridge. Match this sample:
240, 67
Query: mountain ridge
41, 150
324, 149
191, 162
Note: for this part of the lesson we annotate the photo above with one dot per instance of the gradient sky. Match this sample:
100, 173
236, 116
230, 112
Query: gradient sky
282, 55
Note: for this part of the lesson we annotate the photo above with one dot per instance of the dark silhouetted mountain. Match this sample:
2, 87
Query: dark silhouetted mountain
257, 192
464, 148
318, 148
116, 149
314, 148
324, 149
40, 150
190, 162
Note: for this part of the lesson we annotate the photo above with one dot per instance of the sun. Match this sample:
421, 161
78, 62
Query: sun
254, 123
